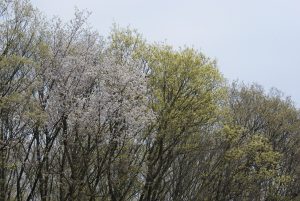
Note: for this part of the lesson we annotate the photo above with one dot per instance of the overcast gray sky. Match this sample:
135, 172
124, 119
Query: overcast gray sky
252, 40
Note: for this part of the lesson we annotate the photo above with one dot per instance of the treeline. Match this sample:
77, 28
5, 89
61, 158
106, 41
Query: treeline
83, 117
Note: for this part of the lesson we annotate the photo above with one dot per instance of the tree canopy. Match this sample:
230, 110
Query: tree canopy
87, 117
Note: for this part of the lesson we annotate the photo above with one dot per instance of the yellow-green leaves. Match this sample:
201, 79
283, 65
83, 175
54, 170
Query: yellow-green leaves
126, 44
184, 83
11, 101
231, 134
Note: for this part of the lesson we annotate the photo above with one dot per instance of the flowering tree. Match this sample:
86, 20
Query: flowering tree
88, 118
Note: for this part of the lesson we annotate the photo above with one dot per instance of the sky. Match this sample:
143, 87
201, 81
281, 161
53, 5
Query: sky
252, 40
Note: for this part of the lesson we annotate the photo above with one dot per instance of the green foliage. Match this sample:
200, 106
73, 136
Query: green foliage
126, 44
120, 119
185, 84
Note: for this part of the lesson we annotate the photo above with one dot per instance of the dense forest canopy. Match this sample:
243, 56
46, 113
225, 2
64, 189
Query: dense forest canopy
86, 117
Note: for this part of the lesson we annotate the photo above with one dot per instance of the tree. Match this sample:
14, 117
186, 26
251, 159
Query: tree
84, 117
185, 90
